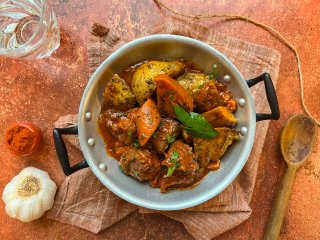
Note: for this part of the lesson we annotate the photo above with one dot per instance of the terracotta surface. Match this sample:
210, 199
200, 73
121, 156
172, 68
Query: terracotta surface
39, 91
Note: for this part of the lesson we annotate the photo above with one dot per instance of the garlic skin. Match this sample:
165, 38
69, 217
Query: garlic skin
29, 194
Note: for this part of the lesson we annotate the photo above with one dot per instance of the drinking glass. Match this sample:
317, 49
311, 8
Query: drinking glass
28, 29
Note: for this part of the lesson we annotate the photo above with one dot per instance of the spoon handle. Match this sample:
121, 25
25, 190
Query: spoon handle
280, 204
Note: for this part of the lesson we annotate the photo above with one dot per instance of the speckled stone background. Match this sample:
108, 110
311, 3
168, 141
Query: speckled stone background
41, 91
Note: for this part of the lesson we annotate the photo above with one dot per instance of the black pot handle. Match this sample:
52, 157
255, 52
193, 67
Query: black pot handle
271, 96
62, 150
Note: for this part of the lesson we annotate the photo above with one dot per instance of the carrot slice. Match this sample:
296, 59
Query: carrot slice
147, 121
170, 93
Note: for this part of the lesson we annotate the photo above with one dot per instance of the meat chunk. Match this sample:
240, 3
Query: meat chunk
181, 180
181, 157
212, 166
210, 150
177, 180
165, 134
220, 117
228, 99
139, 163
120, 124
187, 137
212, 95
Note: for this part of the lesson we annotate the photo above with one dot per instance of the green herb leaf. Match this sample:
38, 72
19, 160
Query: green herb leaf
121, 168
170, 171
130, 133
171, 98
201, 86
174, 159
195, 124
160, 125
198, 134
136, 143
154, 135
135, 173
214, 71
178, 165
170, 139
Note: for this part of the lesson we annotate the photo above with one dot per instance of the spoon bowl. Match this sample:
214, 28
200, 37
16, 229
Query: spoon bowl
297, 139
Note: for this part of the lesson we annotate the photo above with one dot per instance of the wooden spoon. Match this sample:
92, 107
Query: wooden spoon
297, 140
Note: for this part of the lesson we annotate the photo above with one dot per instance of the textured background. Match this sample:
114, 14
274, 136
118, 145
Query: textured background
40, 91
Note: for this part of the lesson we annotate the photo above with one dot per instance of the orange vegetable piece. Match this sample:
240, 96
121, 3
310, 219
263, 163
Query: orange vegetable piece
170, 93
147, 121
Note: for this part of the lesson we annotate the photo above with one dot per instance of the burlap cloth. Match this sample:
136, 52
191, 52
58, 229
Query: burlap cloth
84, 202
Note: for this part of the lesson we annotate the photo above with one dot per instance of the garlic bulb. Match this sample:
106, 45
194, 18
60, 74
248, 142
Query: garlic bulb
29, 194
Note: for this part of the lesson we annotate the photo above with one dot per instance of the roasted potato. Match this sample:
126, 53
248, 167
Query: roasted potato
210, 150
193, 81
143, 85
118, 94
220, 117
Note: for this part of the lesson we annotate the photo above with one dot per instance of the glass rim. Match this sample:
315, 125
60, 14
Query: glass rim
22, 50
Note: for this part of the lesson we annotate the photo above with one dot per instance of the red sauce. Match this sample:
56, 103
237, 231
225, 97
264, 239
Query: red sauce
127, 74
109, 140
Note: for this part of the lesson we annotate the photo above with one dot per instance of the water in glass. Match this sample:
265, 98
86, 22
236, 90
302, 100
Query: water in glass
28, 29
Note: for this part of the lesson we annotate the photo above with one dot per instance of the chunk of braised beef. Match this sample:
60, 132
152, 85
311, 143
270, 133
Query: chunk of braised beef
187, 137
212, 95
185, 159
181, 180
165, 134
177, 180
139, 163
228, 99
120, 124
